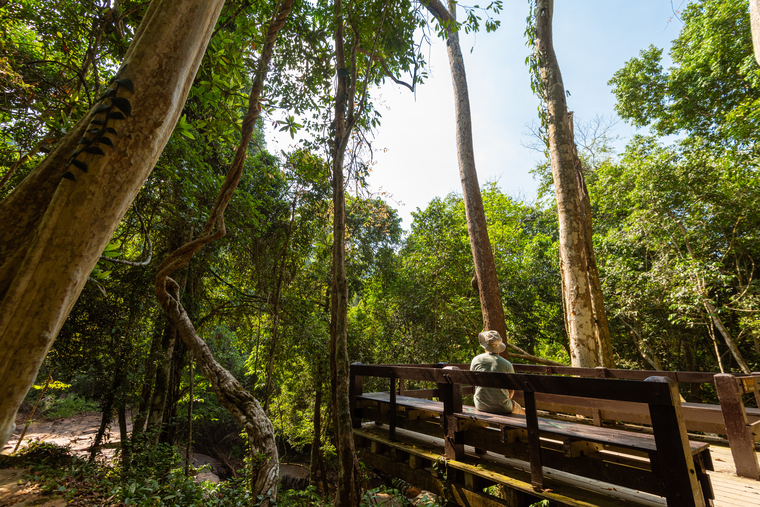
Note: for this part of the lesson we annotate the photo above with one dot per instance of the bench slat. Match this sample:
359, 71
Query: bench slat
607, 436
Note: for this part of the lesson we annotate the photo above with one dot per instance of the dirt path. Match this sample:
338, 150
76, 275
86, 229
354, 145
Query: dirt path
78, 432
16, 491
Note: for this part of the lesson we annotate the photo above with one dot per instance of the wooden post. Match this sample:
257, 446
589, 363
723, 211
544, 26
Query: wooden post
392, 415
355, 388
676, 466
451, 396
739, 433
534, 441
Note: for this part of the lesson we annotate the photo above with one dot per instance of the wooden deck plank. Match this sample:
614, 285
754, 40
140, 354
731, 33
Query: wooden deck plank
560, 487
730, 490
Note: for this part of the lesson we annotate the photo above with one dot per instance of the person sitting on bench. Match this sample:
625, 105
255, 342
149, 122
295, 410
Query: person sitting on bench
490, 399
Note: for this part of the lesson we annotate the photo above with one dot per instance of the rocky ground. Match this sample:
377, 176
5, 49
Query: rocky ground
79, 432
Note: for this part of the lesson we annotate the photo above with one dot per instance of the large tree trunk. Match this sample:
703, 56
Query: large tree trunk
485, 268
754, 15
54, 230
601, 327
347, 494
231, 394
573, 262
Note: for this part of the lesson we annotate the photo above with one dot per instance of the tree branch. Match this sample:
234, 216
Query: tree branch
530, 357
387, 70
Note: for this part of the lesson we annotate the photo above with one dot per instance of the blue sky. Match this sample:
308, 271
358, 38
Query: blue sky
415, 147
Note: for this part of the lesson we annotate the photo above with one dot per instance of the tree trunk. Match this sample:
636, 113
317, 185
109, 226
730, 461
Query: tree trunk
601, 327
277, 301
232, 396
161, 383
315, 465
347, 494
485, 268
124, 442
54, 229
754, 14
138, 424
189, 448
573, 262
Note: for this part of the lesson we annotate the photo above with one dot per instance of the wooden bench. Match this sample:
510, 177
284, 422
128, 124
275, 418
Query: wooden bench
664, 464
742, 429
740, 424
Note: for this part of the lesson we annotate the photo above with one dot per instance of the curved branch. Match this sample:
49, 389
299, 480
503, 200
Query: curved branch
387, 70
530, 357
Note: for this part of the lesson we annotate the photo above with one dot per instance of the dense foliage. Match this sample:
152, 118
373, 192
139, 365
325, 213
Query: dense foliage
676, 226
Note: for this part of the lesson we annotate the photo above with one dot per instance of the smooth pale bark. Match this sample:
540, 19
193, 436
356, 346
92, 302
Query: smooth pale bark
754, 16
54, 230
573, 262
601, 327
347, 494
477, 228
230, 393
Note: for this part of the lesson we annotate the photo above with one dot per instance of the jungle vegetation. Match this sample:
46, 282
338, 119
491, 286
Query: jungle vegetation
676, 223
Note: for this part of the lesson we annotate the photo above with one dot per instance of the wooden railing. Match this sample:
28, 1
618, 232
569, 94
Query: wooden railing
731, 417
673, 453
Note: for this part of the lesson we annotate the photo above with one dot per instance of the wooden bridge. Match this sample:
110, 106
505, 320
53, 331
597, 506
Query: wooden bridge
460, 453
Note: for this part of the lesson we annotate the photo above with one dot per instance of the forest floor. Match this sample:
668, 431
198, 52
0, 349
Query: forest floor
78, 433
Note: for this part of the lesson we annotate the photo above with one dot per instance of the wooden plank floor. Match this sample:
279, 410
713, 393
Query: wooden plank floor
731, 490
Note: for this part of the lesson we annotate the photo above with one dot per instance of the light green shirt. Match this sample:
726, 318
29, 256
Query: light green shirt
491, 399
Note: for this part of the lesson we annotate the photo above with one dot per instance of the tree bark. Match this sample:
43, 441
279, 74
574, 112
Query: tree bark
573, 262
161, 382
347, 494
54, 230
754, 15
315, 464
491, 305
601, 327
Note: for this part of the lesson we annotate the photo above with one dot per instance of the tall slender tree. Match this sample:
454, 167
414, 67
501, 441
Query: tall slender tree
573, 230
482, 255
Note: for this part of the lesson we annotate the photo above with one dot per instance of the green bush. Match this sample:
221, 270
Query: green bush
71, 405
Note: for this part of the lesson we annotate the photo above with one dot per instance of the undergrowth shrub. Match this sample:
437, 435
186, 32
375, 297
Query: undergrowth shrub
68, 406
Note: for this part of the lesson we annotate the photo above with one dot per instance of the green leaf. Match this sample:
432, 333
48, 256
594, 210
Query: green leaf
115, 116
100, 108
342, 72
111, 130
79, 164
84, 140
68, 176
94, 150
105, 140
126, 83
123, 104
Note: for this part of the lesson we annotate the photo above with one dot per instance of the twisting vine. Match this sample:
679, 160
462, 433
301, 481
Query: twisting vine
533, 61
